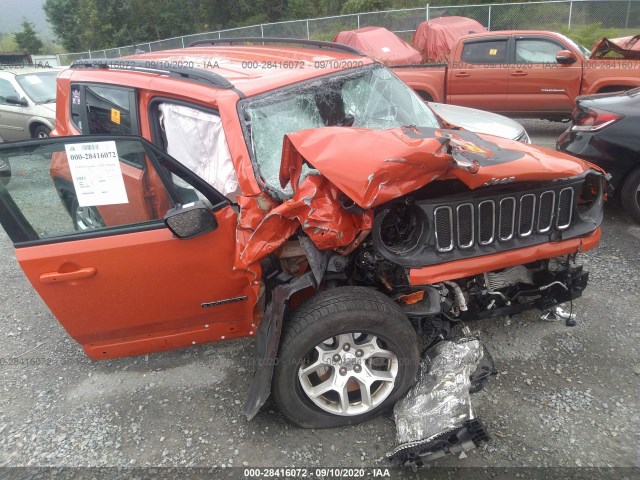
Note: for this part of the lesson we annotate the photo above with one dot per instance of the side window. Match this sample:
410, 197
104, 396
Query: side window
100, 110
76, 106
494, 51
195, 137
536, 51
7, 90
65, 186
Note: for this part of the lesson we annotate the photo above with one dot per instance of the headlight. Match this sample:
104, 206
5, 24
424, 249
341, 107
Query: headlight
524, 137
590, 193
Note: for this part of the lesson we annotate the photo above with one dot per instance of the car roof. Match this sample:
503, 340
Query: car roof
257, 69
504, 33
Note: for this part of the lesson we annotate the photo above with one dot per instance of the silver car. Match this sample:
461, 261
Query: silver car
479, 121
27, 102
5, 169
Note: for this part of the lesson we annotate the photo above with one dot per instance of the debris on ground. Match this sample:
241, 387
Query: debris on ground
435, 417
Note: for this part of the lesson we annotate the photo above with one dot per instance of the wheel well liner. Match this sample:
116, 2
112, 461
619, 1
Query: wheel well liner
268, 341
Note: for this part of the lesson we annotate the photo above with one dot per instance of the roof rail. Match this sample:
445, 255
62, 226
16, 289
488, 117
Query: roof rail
156, 66
296, 41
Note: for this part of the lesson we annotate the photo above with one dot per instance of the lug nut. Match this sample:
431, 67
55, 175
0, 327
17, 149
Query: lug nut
336, 358
343, 371
357, 368
346, 347
359, 353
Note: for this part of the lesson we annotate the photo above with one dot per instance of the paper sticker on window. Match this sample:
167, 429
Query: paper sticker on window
385, 49
115, 116
493, 51
33, 79
96, 174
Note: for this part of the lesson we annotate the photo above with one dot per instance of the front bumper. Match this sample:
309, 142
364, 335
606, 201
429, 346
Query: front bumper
477, 265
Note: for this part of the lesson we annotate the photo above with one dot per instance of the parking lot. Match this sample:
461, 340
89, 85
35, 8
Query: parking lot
565, 397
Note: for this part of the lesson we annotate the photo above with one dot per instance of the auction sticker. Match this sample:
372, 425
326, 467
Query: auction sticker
96, 174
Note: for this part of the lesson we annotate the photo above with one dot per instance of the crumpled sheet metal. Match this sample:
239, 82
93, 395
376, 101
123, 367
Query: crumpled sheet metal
439, 401
625, 47
373, 167
314, 207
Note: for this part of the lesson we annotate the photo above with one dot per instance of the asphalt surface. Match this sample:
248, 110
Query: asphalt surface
565, 397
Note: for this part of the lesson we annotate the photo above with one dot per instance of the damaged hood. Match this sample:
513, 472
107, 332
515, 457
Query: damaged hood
625, 47
372, 167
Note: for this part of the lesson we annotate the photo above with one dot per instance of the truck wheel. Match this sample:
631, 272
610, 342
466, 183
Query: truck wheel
85, 218
630, 195
345, 356
41, 132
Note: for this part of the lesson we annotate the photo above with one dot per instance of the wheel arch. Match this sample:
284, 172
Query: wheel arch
607, 86
36, 122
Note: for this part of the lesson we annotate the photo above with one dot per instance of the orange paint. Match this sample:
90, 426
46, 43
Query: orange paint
497, 261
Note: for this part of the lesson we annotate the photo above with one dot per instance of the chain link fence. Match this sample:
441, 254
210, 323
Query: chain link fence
565, 15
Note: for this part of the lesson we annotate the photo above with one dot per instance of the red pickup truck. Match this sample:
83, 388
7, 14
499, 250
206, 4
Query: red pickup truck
520, 72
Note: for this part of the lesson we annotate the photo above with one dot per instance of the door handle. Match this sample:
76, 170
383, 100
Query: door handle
58, 277
463, 74
518, 73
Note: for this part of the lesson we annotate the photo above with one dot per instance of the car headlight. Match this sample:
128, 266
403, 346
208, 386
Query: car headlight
524, 137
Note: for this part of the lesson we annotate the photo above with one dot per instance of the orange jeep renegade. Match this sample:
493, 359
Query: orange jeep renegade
293, 191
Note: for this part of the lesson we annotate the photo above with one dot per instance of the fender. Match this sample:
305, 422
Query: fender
608, 82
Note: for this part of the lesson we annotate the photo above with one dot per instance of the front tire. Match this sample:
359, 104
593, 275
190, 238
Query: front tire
630, 195
41, 132
85, 218
5, 172
346, 355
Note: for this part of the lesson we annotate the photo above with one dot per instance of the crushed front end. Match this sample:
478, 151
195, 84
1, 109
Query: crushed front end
497, 250
373, 192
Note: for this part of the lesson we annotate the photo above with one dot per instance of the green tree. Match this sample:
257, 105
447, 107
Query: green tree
65, 19
27, 40
357, 6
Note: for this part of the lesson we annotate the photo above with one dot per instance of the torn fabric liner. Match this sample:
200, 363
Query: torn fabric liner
439, 402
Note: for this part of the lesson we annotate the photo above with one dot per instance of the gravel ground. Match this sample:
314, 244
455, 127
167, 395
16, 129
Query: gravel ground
565, 397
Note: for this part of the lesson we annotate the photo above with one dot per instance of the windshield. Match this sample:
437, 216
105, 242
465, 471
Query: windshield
372, 98
41, 87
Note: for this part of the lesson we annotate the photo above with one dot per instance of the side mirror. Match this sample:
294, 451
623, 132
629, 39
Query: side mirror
190, 220
13, 100
566, 57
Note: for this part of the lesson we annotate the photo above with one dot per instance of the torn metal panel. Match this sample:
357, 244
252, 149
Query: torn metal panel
373, 167
625, 47
315, 207
370, 167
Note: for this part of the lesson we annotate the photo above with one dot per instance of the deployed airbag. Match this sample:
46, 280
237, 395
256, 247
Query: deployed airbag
196, 139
